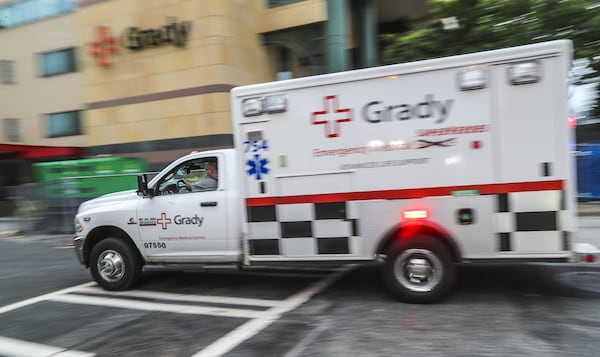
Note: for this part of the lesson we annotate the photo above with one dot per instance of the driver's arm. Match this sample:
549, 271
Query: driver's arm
188, 184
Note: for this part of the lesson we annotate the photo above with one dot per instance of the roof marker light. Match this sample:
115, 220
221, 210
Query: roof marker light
275, 103
525, 72
472, 78
252, 107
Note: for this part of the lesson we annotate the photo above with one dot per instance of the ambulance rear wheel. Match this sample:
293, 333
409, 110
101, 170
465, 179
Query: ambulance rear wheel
114, 264
419, 270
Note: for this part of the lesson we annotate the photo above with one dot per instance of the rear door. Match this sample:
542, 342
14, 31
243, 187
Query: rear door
531, 121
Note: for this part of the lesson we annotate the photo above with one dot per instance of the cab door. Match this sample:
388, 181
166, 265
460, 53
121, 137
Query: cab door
180, 225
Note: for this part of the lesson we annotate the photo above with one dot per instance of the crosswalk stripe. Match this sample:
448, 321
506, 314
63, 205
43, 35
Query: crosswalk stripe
252, 327
41, 298
10, 347
153, 306
181, 297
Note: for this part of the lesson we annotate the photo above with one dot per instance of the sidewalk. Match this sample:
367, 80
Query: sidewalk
588, 208
15, 228
10, 226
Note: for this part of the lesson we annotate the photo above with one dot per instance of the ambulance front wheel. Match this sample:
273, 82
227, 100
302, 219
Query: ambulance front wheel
115, 265
419, 270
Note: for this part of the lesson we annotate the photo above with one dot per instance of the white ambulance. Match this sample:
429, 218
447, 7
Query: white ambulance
421, 166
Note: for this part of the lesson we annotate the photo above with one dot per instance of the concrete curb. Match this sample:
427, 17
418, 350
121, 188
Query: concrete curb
588, 214
11, 232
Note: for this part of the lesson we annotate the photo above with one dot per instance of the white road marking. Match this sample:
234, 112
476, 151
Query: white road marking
182, 297
259, 320
41, 298
252, 327
153, 306
10, 347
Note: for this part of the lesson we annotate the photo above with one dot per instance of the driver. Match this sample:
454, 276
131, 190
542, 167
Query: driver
209, 183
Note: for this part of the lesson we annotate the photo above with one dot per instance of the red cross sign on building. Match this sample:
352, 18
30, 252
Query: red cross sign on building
331, 116
104, 46
163, 220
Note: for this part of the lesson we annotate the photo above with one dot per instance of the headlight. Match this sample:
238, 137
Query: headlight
78, 226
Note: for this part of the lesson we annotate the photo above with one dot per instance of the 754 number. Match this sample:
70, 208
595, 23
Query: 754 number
255, 145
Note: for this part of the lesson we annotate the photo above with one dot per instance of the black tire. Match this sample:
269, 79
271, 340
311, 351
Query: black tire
419, 270
115, 265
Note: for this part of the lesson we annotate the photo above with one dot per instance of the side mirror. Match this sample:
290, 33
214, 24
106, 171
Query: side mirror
142, 182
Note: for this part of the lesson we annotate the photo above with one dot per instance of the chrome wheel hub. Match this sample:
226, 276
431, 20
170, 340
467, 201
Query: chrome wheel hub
111, 266
418, 270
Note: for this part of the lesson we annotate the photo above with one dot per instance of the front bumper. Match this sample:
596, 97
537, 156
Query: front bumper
78, 244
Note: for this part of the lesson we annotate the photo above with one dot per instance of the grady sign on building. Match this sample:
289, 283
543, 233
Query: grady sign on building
151, 78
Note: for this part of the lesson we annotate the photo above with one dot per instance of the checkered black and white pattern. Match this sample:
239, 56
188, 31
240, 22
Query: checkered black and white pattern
300, 230
524, 222
531, 222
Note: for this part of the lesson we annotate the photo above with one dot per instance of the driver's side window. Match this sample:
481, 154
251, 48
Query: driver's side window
190, 176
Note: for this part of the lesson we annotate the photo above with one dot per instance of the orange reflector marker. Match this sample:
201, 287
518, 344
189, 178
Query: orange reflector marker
416, 214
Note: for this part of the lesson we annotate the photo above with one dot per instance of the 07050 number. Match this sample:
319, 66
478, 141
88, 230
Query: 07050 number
155, 245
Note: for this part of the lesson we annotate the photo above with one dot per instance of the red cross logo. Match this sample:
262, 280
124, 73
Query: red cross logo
163, 220
104, 46
331, 109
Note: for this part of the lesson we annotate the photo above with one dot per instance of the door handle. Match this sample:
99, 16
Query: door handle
208, 204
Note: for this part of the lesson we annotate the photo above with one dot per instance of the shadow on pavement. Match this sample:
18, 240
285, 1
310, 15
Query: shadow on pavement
566, 279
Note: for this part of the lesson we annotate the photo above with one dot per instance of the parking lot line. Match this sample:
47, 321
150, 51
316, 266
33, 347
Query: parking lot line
10, 347
249, 329
41, 298
258, 320
182, 297
153, 306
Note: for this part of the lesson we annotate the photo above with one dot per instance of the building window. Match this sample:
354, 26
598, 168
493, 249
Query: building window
26, 11
276, 3
57, 62
64, 124
7, 72
12, 129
